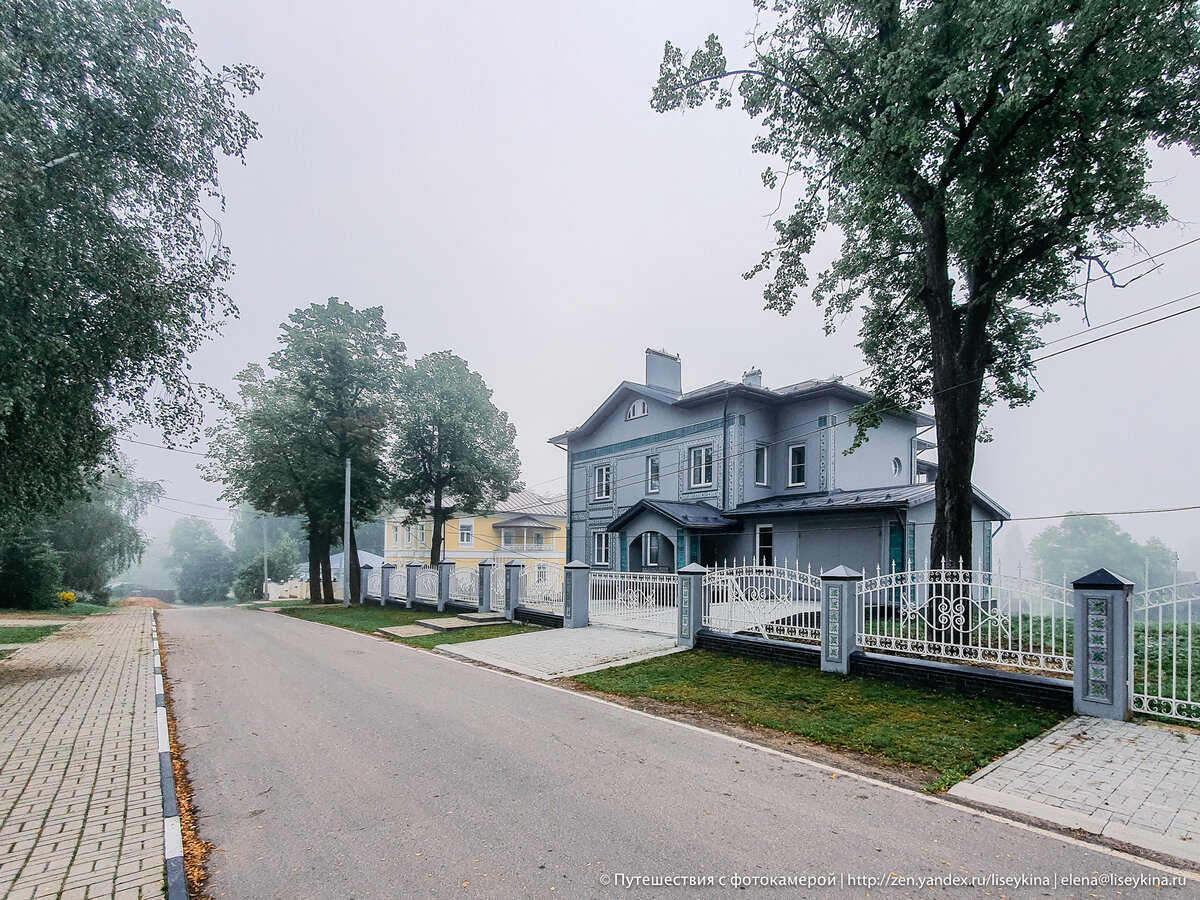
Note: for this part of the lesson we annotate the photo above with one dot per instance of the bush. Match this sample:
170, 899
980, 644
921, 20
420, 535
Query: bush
30, 576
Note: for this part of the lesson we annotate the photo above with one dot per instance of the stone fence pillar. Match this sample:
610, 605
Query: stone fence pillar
364, 573
445, 570
487, 571
839, 618
576, 578
690, 597
512, 587
385, 583
1102, 649
410, 583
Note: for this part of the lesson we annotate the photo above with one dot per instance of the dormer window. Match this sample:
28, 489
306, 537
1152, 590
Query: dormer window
636, 410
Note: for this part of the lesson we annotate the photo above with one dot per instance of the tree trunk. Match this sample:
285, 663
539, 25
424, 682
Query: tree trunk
314, 563
435, 543
355, 567
327, 570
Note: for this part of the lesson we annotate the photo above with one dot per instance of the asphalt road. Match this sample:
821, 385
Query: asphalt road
327, 764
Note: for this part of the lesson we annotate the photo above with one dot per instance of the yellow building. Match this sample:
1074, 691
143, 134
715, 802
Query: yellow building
526, 527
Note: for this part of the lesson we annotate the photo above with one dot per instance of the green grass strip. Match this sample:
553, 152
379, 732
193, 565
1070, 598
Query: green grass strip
365, 618
25, 634
950, 734
468, 634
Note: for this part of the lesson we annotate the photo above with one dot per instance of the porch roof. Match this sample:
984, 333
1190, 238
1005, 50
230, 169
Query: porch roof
899, 496
524, 522
696, 516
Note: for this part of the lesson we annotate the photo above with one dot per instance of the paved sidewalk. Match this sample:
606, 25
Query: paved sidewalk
560, 652
1134, 783
80, 802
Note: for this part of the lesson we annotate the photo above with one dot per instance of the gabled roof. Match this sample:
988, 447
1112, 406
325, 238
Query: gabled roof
616, 399
524, 522
899, 497
697, 516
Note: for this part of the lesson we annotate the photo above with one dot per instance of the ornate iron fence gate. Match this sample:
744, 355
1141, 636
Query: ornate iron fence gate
1164, 652
639, 600
770, 601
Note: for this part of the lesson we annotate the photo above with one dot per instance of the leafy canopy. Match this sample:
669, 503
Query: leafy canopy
1080, 545
200, 562
111, 266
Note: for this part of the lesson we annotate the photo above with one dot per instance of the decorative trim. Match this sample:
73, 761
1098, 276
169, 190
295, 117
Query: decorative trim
687, 431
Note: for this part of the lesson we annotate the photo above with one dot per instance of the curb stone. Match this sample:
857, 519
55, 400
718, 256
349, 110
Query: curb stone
172, 833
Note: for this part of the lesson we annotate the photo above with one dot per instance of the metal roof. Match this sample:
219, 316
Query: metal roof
906, 496
699, 516
524, 522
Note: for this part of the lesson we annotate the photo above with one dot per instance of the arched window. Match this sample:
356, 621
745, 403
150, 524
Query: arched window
636, 410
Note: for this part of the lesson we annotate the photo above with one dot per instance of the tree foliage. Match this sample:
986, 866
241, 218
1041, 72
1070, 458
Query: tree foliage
200, 562
972, 155
455, 451
99, 538
280, 447
110, 265
1079, 545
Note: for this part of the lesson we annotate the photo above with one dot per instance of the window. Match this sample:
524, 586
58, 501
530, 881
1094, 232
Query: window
796, 465
506, 537
603, 482
421, 534
395, 535
651, 474
466, 534
600, 545
764, 545
539, 539
897, 466
700, 471
408, 535
760, 465
650, 548
636, 410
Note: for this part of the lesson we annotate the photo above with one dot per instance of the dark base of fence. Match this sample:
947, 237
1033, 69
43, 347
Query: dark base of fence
971, 681
538, 617
425, 604
459, 606
759, 648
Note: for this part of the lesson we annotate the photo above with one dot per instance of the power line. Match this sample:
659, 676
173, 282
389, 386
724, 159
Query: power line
160, 446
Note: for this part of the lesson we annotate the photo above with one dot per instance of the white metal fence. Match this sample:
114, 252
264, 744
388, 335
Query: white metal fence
1164, 652
969, 615
634, 599
770, 601
464, 585
542, 587
375, 583
427, 583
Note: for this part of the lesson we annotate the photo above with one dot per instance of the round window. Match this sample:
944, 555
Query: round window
897, 466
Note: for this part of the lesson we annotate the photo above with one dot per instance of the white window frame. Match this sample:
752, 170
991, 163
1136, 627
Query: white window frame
761, 452
792, 465
508, 537
421, 534
651, 540
706, 461
605, 483
601, 541
466, 527
636, 410
653, 476
758, 533
537, 541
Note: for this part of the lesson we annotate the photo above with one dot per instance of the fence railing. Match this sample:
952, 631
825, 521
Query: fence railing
1164, 657
375, 583
464, 585
770, 601
635, 599
969, 615
542, 587
427, 584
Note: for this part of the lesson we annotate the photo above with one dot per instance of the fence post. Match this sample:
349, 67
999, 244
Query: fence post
1102, 648
410, 583
487, 569
839, 618
385, 583
364, 573
576, 578
512, 587
445, 570
691, 604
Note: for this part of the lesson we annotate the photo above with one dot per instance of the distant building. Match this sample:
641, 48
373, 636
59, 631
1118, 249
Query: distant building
658, 478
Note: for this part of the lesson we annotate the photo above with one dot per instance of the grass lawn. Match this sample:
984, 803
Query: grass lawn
79, 608
26, 634
364, 618
282, 604
951, 734
430, 641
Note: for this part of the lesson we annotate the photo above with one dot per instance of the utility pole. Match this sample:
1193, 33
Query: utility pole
266, 577
346, 543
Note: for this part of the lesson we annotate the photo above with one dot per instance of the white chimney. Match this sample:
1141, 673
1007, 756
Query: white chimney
663, 371
753, 378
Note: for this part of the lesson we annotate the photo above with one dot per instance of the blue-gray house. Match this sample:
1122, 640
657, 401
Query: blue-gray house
658, 478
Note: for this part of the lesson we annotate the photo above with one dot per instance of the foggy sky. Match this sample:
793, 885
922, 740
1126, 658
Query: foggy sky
492, 175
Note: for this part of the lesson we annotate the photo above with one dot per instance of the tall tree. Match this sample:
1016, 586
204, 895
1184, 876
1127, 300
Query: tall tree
111, 266
99, 538
1081, 544
200, 562
972, 154
281, 448
455, 451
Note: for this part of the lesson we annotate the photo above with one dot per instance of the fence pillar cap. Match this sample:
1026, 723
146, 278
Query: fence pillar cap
366, 567
1103, 578
841, 572
488, 562
576, 564
692, 569
446, 562
515, 562
414, 565
388, 566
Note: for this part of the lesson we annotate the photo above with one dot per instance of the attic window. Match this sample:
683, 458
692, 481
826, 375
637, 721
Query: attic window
636, 410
